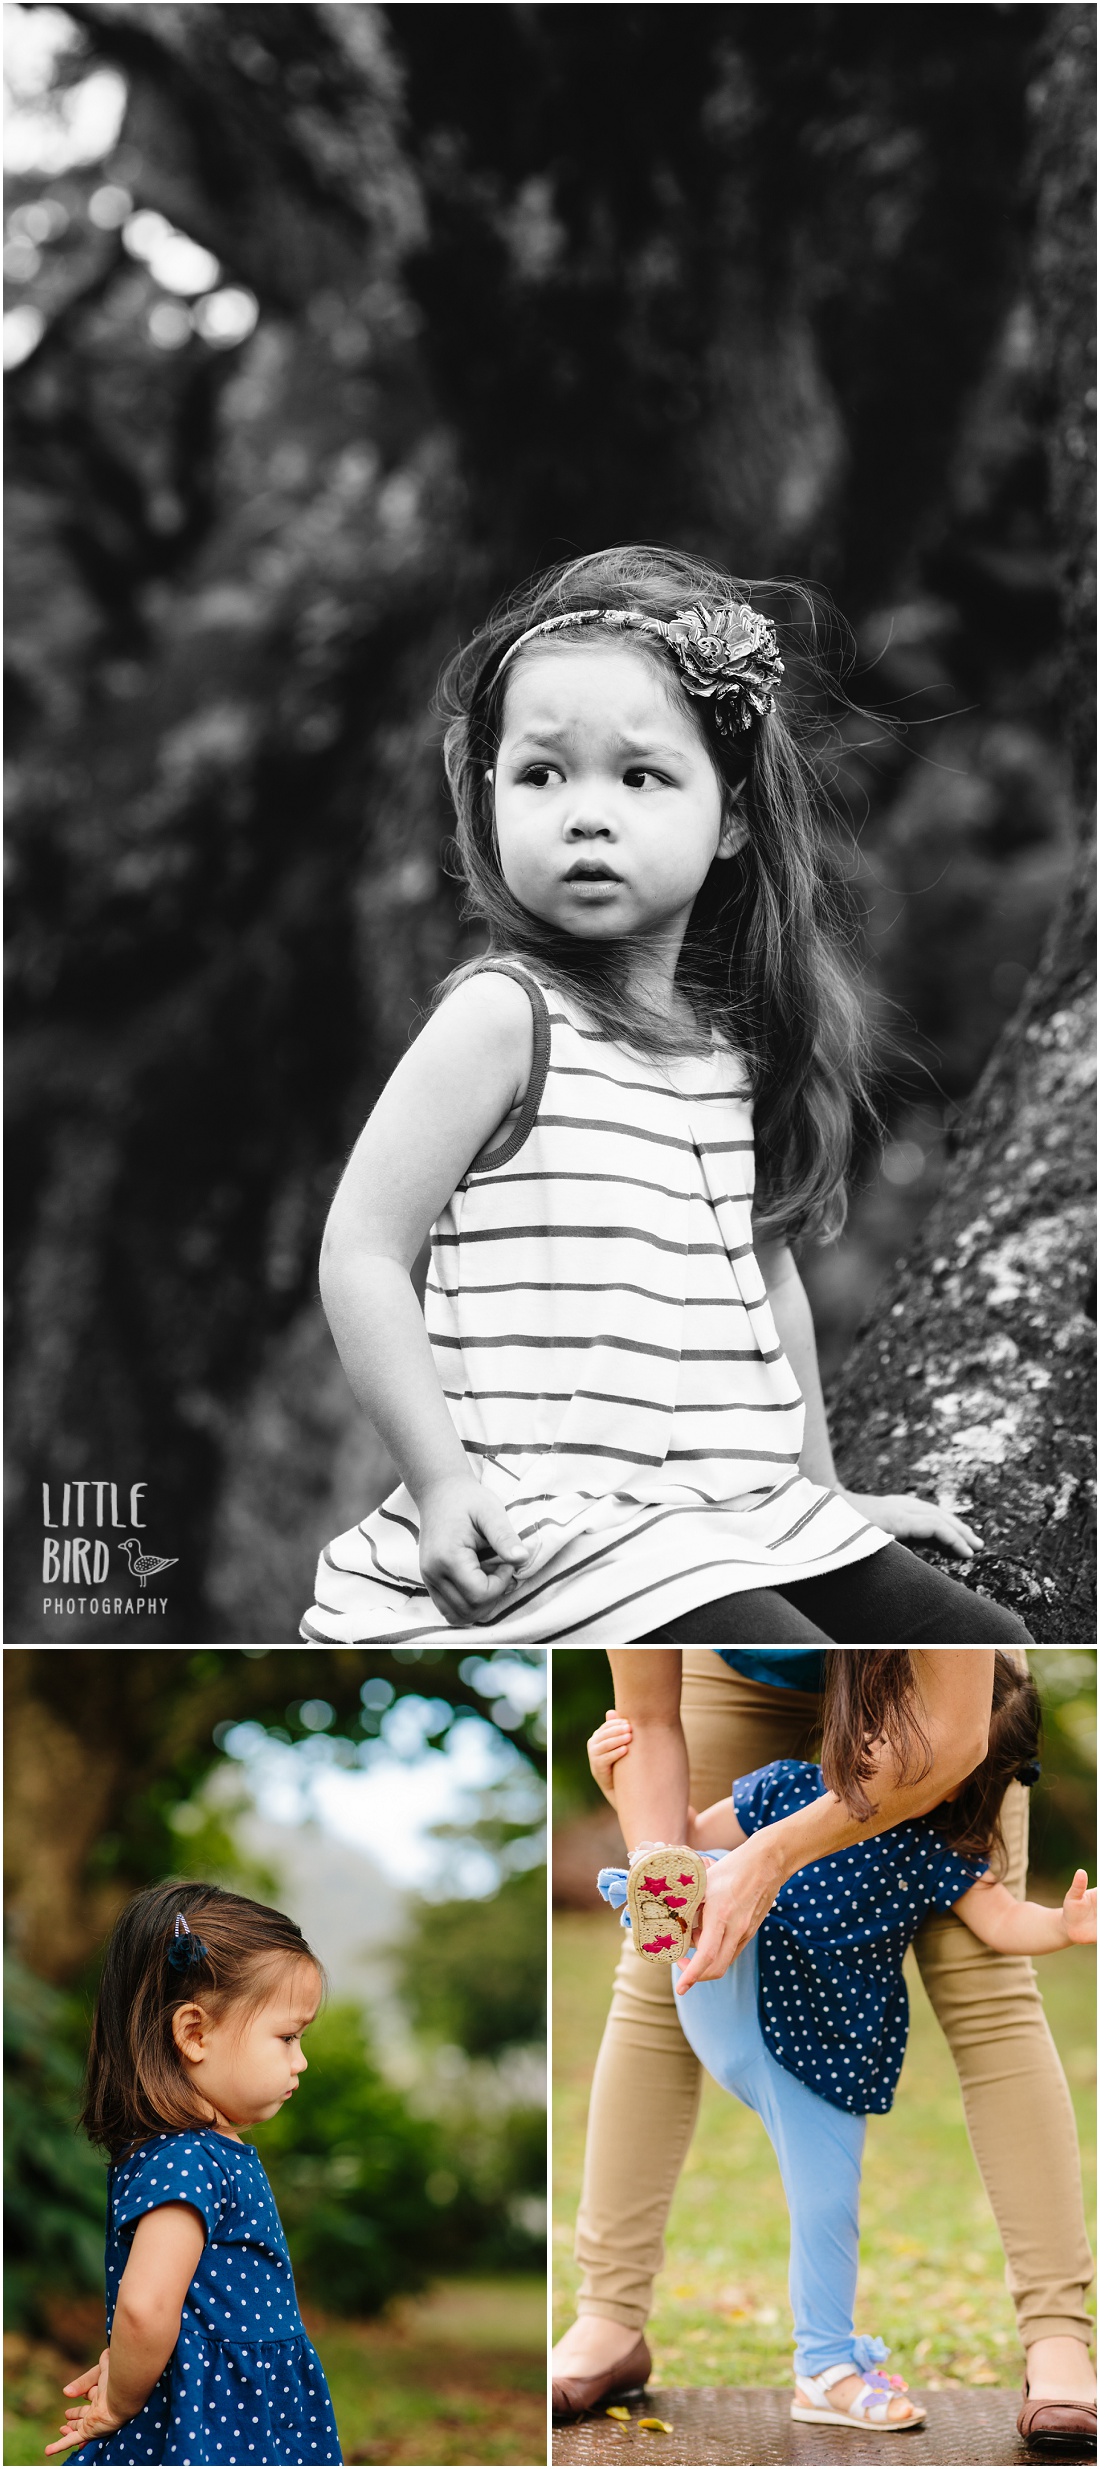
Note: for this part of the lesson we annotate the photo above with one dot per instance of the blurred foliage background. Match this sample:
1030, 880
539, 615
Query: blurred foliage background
326, 324
1063, 1802
419, 2155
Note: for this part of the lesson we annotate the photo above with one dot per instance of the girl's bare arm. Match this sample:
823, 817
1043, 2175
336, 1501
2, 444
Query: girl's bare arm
164, 2257
1029, 1928
467, 1070
901, 1513
715, 1829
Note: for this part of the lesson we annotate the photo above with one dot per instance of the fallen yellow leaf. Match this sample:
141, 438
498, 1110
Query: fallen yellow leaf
656, 2426
618, 2413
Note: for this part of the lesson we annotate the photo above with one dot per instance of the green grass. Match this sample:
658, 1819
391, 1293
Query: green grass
457, 2377
932, 2270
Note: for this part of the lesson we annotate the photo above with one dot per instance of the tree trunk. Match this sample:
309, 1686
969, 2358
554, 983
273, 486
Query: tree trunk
973, 1381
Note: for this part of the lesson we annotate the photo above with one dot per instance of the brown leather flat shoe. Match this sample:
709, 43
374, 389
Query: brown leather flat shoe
1057, 2421
577, 2393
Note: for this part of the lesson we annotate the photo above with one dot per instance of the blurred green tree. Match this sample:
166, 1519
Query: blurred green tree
377, 2200
54, 2188
474, 1973
582, 1692
101, 1746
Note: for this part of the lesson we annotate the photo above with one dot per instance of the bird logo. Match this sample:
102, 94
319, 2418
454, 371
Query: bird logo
146, 1564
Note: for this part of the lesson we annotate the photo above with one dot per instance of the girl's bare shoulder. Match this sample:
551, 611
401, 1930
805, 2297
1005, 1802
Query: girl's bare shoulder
492, 1016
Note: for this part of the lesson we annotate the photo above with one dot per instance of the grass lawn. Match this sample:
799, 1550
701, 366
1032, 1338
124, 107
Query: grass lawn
456, 2377
932, 2272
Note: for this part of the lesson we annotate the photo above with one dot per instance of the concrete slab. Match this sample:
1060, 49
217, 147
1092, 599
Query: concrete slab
753, 2430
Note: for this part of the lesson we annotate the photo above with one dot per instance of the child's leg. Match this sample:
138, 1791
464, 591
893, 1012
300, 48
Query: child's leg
646, 2069
895, 1595
819, 2150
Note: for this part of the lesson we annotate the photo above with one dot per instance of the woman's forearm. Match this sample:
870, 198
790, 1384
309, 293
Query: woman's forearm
954, 1693
651, 1781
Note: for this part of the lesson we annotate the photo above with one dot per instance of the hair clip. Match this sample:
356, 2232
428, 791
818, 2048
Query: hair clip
1030, 1772
185, 1952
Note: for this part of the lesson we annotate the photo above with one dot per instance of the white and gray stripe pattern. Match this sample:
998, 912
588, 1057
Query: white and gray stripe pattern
605, 1342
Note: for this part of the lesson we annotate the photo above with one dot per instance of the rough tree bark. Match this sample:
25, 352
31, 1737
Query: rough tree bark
974, 1377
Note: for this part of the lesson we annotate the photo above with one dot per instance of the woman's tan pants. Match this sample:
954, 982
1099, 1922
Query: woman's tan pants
1017, 2104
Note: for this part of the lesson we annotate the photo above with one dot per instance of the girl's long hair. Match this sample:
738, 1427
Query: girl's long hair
764, 959
872, 1696
135, 2082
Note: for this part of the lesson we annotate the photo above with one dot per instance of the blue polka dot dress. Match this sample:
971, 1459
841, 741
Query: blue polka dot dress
833, 2005
244, 2384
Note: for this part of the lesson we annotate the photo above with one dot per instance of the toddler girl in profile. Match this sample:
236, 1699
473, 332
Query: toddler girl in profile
198, 2033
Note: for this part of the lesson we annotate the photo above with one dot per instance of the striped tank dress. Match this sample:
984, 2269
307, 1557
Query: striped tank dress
603, 1337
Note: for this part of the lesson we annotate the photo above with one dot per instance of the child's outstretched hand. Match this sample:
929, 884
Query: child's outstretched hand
1079, 1910
609, 1742
465, 1536
915, 1521
98, 2418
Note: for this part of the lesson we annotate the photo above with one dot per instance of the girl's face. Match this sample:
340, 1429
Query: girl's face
246, 2070
609, 810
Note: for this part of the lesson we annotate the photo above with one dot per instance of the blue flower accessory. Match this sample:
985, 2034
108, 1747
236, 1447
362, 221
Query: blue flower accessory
1030, 1773
186, 1953
729, 655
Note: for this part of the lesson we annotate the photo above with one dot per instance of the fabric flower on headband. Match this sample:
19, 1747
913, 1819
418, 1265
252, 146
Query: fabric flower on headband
732, 654
729, 654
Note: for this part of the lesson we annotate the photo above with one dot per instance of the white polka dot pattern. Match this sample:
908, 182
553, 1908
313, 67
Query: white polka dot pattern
244, 2383
834, 2009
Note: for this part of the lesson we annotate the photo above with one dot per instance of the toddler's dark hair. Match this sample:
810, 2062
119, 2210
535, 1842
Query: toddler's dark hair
135, 2083
872, 1696
971, 1822
764, 959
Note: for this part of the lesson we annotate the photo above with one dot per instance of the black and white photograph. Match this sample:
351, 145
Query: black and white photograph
551, 765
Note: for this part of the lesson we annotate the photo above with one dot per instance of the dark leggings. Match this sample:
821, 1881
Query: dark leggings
890, 1599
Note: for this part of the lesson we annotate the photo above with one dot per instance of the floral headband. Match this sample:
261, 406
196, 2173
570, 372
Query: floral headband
729, 653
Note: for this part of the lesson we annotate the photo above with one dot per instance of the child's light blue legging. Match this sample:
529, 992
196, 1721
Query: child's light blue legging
819, 2150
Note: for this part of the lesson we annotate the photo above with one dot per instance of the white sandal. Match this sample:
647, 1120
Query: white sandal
664, 1889
869, 2411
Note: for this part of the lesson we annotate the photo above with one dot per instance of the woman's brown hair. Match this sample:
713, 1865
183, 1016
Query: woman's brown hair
135, 2083
871, 1697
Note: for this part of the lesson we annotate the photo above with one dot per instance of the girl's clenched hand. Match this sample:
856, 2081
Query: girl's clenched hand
98, 2418
465, 1536
916, 1521
609, 1742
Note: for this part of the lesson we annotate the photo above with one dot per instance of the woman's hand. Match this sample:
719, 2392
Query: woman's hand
1079, 1911
916, 1521
465, 1535
98, 2418
741, 1890
608, 1743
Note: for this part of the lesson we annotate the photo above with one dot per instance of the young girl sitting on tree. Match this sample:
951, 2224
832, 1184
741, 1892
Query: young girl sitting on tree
809, 2025
198, 2032
608, 1422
